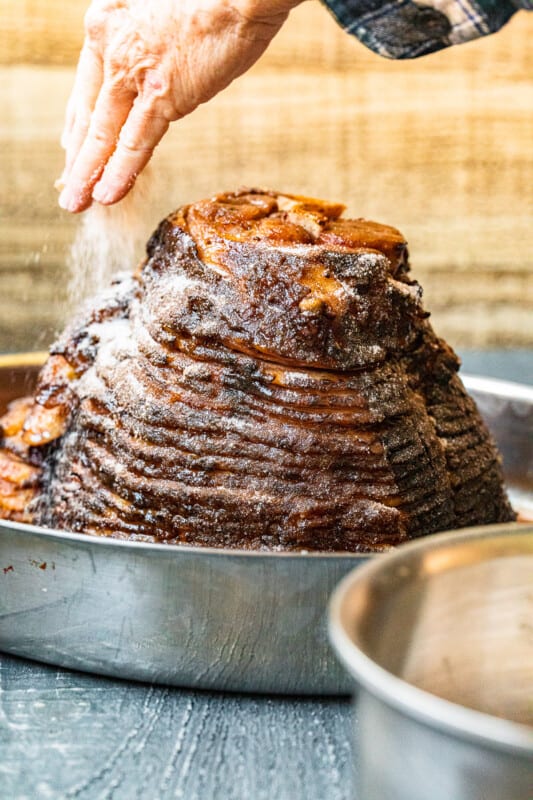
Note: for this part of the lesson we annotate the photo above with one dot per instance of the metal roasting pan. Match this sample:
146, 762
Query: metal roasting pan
199, 617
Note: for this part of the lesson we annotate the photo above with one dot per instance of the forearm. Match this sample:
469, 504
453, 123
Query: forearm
407, 29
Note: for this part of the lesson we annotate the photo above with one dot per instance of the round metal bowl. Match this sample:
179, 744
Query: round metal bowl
439, 638
198, 617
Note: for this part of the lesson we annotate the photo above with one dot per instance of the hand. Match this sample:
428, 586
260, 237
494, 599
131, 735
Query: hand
144, 64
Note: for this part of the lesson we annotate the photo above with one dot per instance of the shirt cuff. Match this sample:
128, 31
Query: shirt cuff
406, 29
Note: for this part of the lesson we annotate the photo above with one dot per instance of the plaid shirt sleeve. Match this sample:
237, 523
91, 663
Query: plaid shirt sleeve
407, 29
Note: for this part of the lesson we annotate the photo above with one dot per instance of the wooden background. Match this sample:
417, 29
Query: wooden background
440, 147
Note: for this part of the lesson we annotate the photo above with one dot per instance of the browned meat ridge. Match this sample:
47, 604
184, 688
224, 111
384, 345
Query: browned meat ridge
267, 380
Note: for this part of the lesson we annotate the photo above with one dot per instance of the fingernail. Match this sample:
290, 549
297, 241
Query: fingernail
102, 194
64, 198
68, 201
59, 184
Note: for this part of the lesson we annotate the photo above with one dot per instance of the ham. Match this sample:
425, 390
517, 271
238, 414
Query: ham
268, 379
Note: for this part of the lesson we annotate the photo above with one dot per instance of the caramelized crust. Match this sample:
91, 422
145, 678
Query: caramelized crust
267, 380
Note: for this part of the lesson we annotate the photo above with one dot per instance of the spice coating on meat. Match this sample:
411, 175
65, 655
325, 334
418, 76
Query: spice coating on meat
268, 379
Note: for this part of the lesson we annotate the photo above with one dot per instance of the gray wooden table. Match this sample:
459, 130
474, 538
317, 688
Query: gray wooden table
68, 735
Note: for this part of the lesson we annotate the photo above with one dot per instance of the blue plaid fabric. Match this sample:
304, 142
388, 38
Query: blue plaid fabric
405, 29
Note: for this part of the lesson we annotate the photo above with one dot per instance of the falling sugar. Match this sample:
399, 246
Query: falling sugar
109, 239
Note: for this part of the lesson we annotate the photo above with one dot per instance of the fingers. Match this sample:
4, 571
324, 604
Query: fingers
70, 116
142, 131
87, 85
93, 150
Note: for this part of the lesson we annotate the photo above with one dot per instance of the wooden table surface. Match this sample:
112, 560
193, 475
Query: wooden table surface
65, 734
68, 735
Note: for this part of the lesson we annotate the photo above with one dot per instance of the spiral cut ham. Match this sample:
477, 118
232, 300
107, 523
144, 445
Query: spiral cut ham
267, 380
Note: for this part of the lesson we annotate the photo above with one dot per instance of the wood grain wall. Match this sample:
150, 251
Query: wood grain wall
440, 147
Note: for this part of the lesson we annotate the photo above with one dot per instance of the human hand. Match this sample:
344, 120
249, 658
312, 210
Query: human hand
144, 64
